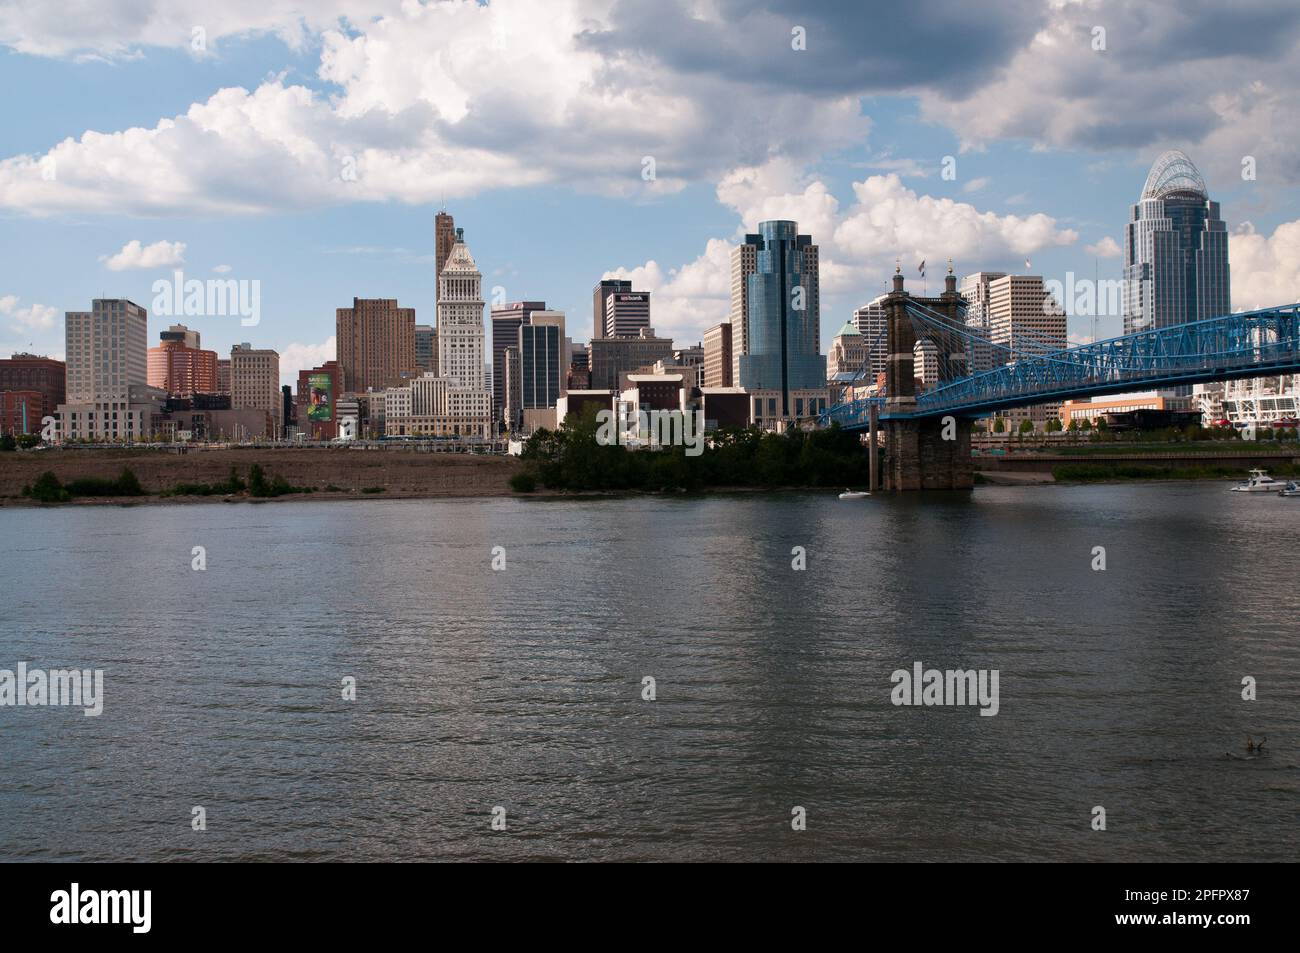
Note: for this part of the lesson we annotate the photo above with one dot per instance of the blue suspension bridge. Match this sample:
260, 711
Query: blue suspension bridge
926, 436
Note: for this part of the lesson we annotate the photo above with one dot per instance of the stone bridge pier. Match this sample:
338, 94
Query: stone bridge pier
931, 453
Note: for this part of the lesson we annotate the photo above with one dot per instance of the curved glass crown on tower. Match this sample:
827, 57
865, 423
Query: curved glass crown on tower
1173, 174
1175, 250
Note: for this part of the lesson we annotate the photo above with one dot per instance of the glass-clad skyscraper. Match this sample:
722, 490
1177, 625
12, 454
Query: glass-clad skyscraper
783, 319
1175, 250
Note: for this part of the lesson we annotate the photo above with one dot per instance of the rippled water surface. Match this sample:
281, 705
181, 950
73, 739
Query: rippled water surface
522, 688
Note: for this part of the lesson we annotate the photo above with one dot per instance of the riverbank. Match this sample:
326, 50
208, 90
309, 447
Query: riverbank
328, 473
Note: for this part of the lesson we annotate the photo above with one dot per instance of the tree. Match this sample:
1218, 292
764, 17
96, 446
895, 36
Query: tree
1053, 425
1026, 426
999, 426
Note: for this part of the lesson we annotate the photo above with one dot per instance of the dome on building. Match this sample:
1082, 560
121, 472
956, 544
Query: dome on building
1173, 174
848, 329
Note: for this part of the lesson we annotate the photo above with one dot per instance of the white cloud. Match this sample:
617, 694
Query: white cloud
1106, 248
1265, 270
133, 254
34, 317
117, 30
221, 269
433, 101
297, 357
975, 185
857, 246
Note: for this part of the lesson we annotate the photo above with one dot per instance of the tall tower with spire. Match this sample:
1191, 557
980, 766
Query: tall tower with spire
460, 319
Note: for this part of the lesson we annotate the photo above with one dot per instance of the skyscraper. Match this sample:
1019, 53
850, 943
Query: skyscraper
744, 262
783, 350
626, 313
975, 289
717, 355
506, 321
872, 322
543, 360
107, 395
1175, 250
444, 237
376, 343
426, 347
460, 339
599, 294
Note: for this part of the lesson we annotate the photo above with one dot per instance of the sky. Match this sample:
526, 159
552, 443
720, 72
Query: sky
307, 147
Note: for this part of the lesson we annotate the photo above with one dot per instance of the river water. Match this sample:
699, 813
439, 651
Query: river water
522, 688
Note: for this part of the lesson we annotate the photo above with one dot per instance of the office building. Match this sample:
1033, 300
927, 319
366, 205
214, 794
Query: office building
376, 343
426, 348
599, 295
611, 356
506, 321
444, 238
872, 323
846, 362
179, 366
1175, 250
627, 313
782, 324
107, 393
975, 290
255, 384
717, 355
36, 385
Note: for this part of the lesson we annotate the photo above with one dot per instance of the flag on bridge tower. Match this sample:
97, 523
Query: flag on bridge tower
1028, 266
921, 268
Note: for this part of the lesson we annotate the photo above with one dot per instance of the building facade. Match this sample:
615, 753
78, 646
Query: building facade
717, 355
376, 343
611, 357
783, 352
506, 321
28, 374
255, 384
627, 313
1175, 250
179, 366
107, 394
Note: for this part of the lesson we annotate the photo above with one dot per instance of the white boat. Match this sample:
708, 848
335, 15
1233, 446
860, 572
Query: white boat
1291, 489
854, 494
1259, 482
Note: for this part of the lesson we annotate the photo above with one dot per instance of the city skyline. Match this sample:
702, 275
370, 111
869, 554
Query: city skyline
867, 198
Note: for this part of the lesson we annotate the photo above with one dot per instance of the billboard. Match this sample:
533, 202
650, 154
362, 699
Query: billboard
320, 402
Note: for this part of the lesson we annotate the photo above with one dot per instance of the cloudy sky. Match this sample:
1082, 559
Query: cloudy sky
308, 145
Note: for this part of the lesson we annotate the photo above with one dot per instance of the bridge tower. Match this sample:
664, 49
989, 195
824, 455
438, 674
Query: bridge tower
931, 453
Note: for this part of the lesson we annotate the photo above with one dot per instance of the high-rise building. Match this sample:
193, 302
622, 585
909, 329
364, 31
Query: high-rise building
460, 319
1175, 250
872, 322
744, 262
255, 384
599, 295
975, 289
106, 350
717, 355
376, 343
179, 366
543, 360
108, 396
783, 320
506, 321
223, 375
444, 237
1024, 319
426, 347
626, 313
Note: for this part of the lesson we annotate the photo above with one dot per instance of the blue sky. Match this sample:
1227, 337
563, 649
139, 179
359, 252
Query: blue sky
532, 125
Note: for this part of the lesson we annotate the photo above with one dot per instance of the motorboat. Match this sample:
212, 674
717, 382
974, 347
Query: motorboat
1259, 482
1291, 489
854, 494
